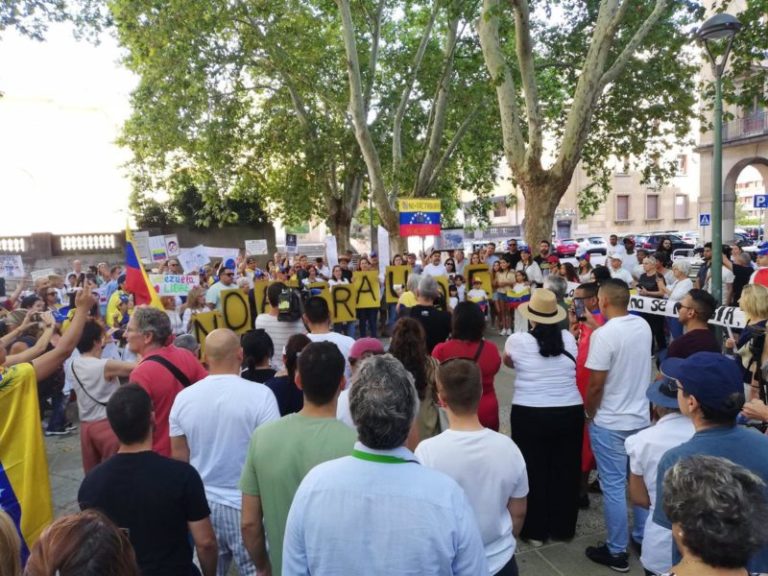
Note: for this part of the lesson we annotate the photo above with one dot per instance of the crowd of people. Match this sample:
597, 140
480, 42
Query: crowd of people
307, 447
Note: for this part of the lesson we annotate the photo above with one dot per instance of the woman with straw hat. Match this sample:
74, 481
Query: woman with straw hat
547, 418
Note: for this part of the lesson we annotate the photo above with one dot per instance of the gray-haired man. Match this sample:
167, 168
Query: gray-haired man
345, 508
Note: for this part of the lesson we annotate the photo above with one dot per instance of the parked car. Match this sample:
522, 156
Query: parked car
592, 245
653, 240
742, 239
566, 247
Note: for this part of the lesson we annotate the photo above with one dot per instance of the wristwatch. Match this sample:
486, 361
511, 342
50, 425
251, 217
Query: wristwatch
586, 415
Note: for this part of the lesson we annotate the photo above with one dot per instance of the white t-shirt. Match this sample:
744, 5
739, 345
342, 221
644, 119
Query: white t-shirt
213, 294
679, 288
491, 470
280, 332
435, 270
533, 271
218, 415
343, 413
344, 343
622, 346
629, 261
728, 278
477, 295
645, 450
90, 375
543, 382
618, 249
622, 274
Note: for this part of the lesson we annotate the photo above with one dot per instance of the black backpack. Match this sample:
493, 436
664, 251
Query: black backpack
289, 306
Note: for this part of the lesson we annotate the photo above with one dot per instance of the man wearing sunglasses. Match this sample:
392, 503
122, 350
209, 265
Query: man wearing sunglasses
226, 282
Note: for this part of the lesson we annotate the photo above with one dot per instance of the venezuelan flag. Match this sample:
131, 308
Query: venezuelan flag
136, 280
25, 489
419, 217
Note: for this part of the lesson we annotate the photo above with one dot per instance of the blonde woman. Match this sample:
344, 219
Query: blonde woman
751, 347
10, 547
195, 304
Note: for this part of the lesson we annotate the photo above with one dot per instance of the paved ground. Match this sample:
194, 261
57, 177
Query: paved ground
555, 559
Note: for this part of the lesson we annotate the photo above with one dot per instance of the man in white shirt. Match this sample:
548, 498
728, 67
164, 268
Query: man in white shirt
487, 465
459, 261
317, 317
727, 285
435, 268
211, 424
617, 269
616, 408
280, 331
614, 247
645, 450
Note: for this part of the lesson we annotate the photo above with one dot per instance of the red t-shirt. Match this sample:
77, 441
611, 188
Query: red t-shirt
761, 276
582, 372
489, 363
162, 387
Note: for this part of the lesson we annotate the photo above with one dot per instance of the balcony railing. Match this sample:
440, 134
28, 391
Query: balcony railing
752, 125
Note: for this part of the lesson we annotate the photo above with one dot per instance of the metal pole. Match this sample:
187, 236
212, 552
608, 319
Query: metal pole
716, 271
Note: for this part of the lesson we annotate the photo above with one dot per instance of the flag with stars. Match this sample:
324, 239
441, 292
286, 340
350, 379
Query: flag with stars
25, 489
419, 217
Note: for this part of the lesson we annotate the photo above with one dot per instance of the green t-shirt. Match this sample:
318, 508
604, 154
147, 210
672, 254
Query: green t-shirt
281, 453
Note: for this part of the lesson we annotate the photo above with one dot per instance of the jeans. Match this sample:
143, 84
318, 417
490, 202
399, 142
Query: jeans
675, 328
57, 420
367, 318
613, 468
391, 315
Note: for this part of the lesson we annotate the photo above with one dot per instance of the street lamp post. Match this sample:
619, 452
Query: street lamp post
715, 34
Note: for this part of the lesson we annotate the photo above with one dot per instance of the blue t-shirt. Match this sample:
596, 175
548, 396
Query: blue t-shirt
741, 446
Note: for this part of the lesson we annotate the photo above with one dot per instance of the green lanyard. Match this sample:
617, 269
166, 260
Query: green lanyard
381, 458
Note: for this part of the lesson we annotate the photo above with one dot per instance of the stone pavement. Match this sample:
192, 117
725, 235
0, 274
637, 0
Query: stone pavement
552, 559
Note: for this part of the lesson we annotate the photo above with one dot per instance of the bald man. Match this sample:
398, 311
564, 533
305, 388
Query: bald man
211, 424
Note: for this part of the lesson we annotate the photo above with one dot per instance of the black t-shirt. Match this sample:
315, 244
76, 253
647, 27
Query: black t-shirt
346, 274
514, 258
260, 375
741, 274
699, 340
649, 282
437, 324
289, 398
152, 498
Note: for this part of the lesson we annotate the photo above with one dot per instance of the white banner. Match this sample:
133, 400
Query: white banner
173, 284
192, 259
384, 259
11, 266
223, 253
331, 251
256, 247
730, 316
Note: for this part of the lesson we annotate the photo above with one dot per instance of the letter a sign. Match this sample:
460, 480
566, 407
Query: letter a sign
705, 219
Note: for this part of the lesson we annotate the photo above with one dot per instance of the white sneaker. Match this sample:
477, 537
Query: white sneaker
502, 332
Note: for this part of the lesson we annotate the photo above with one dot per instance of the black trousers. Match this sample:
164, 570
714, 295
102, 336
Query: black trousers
550, 440
509, 569
657, 324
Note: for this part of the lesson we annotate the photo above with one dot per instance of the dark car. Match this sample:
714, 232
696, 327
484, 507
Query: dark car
653, 242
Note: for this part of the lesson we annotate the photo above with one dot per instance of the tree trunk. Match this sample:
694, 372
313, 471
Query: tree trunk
541, 200
340, 222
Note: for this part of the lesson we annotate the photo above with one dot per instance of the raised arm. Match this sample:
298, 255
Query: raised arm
40, 346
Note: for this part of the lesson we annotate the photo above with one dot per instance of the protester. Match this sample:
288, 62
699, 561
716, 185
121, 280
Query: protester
486, 464
467, 342
436, 323
226, 282
559, 287
717, 510
258, 352
710, 393
585, 271
282, 453
278, 330
210, 424
617, 408
96, 379
188, 342
584, 318
547, 418
545, 259
740, 264
674, 292
435, 268
703, 271
367, 317
616, 263
530, 267
760, 276
696, 310
10, 547
420, 513
317, 317
283, 384
504, 280
651, 284
409, 346
750, 347
645, 449
82, 544
164, 369
194, 305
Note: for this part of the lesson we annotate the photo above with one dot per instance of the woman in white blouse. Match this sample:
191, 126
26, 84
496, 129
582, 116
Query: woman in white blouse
528, 265
675, 291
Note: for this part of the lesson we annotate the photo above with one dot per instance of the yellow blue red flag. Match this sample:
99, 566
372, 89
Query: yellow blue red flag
25, 488
136, 279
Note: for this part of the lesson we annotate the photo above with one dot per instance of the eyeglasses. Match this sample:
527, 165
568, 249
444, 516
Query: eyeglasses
227, 274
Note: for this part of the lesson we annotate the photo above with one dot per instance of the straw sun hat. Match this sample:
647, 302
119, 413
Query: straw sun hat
543, 308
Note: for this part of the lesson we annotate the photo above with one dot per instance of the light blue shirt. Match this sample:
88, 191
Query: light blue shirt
353, 516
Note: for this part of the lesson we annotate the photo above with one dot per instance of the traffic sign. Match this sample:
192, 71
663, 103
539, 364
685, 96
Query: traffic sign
761, 201
705, 219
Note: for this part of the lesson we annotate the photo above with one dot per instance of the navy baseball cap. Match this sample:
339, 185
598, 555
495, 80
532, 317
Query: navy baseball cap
663, 392
708, 376
762, 250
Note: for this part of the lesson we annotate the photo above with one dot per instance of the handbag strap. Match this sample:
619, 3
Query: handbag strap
171, 367
479, 351
77, 378
566, 353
